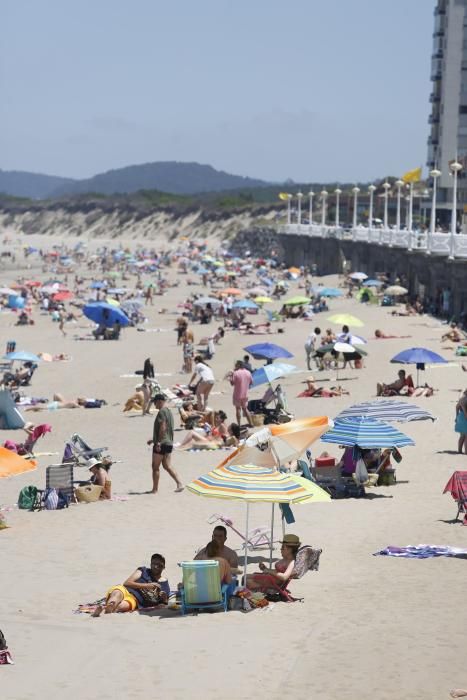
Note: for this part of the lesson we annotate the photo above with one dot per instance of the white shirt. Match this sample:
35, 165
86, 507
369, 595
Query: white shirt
204, 372
311, 340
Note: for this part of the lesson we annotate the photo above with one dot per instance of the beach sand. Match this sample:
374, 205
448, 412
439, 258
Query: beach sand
369, 627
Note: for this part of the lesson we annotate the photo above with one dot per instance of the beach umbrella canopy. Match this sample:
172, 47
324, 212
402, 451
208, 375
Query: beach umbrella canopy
346, 320
358, 276
248, 482
329, 347
7, 290
257, 291
232, 291
396, 291
297, 301
357, 340
388, 410
365, 432
418, 356
245, 304
63, 296
267, 351
274, 445
204, 301
98, 285
373, 283
12, 464
263, 300
269, 373
328, 292
22, 356
105, 314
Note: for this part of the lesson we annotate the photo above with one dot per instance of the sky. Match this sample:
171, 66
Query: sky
311, 90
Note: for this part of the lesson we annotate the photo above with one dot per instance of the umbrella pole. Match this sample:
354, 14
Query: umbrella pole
272, 537
246, 541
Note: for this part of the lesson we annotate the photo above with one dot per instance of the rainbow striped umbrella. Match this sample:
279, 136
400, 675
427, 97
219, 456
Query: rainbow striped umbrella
247, 482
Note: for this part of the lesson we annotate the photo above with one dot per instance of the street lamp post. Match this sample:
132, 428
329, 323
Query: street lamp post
355, 191
338, 193
455, 167
399, 185
324, 195
386, 187
289, 209
311, 194
435, 174
299, 208
371, 190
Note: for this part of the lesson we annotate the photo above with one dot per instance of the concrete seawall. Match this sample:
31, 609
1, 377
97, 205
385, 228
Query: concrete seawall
424, 275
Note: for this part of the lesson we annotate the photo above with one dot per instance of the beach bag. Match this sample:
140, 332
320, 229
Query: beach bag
27, 498
55, 500
361, 473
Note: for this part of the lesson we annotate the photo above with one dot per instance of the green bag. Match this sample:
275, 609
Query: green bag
27, 498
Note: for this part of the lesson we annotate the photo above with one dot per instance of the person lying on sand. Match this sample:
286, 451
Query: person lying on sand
144, 588
380, 335
59, 401
319, 391
214, 440
454, 335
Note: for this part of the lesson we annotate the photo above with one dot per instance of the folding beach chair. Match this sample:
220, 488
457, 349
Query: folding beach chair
258, 537
60, 477
457, 487
201, 586
77, 449
307, 559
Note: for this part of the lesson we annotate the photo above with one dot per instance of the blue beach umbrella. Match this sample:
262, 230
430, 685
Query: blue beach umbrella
373, 283
267, 374
366, 433
328, 292
22, 356
419, 357
267, 351
98, 285
388, 410
105, 314
245, 304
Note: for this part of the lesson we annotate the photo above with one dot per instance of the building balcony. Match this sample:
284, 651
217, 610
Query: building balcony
433, 119
434, 98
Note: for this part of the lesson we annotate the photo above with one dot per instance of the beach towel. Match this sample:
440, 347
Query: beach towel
307, 559
457, 486
422, 551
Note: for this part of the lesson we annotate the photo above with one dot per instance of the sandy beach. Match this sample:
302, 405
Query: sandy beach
369, 627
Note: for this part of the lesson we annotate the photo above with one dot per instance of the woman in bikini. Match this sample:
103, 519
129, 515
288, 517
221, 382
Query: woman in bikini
220, 436
272, 579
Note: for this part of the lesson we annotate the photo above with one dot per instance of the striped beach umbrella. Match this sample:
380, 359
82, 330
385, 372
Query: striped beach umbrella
367, 433
248, 482
388, 410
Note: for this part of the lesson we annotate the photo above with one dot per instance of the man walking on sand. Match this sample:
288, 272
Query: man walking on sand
162, 444
241, 380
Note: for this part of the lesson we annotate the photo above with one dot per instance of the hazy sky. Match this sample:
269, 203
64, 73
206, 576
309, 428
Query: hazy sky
302, 89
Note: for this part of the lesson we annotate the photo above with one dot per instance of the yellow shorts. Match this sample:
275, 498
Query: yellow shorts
127, 596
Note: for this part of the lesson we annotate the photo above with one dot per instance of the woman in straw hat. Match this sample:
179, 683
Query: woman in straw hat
283, 568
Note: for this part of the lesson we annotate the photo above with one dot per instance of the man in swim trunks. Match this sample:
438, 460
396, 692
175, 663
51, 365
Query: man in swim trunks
162, 442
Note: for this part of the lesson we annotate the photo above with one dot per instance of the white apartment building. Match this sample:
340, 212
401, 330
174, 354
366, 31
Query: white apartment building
448, 118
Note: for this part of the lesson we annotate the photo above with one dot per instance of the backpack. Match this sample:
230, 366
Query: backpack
27, 498
55, 500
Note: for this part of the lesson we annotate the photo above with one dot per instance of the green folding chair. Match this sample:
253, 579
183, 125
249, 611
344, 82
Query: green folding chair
202, 587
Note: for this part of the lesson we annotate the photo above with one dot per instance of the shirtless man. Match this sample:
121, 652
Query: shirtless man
395, 386
219, 534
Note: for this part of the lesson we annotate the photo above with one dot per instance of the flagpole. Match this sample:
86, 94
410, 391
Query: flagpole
410, 222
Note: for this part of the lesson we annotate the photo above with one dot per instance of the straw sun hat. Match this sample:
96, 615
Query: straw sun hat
291, 540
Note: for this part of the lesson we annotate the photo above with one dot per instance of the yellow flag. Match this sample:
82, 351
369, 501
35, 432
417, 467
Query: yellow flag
284, 196
413, 175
